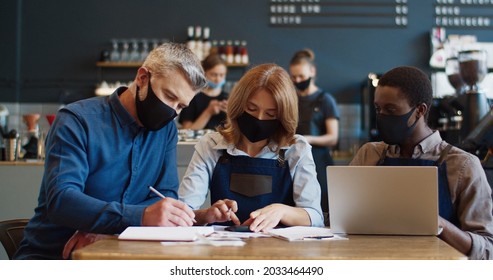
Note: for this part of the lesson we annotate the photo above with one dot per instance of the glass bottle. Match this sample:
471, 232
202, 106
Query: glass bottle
145, 50
237, 53
125, 54
244, 53
114, 54
198, 43
206, 44
134, 52
190, 38
229, 52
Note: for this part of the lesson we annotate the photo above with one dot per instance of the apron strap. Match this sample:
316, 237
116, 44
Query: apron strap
383, 156
443, 154
281, 158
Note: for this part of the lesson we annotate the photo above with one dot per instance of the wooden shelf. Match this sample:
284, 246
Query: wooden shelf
110, 64
237, 65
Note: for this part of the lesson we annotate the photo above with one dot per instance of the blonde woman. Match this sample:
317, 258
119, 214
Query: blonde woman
258, 171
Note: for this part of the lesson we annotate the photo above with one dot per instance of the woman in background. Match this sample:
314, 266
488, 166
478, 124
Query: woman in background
318, 116
208, 108
258, 171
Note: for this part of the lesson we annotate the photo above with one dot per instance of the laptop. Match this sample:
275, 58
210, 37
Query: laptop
387, 200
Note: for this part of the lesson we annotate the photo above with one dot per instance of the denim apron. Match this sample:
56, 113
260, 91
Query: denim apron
445, 207
252, 182
314, 124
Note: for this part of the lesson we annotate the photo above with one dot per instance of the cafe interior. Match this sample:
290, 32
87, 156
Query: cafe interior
59, 52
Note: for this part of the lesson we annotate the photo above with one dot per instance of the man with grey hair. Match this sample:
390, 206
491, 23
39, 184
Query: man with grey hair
103, 153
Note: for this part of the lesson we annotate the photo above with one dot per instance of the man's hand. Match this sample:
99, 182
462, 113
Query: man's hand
80, 240
168, 212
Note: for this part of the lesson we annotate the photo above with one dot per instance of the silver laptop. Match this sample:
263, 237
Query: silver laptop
397, 200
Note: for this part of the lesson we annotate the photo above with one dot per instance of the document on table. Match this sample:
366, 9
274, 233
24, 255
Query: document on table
303, 233
165, 233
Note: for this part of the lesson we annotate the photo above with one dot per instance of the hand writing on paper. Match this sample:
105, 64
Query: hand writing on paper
80, 240
168, 212
266, 218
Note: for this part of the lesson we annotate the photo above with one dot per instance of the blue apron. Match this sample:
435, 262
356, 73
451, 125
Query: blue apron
252, 182
314, 124
445, 207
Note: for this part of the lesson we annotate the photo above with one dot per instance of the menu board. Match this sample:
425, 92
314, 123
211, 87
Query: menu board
338, 13
464, 14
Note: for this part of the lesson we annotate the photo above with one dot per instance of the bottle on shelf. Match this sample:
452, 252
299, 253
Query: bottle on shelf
145, 50
190, 38
114, 54
125, 53
155, 43
244, 53
222, 49
134, 55
206, 43
198, 42
229, 52
236, 51
214, 48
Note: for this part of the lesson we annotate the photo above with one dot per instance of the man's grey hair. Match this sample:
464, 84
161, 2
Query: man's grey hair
170, 57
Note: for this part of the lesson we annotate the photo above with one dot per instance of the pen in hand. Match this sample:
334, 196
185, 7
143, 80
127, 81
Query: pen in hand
156, 192
163, 197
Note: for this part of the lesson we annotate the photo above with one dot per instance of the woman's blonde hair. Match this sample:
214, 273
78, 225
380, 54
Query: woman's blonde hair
275, 80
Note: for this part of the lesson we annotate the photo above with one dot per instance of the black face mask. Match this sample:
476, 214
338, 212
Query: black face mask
394, 129
256, 130
152, 112
303, 85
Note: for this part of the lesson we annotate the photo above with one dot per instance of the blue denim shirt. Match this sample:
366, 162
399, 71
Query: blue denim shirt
99, 164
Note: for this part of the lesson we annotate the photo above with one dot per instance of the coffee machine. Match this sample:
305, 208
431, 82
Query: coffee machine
473, 69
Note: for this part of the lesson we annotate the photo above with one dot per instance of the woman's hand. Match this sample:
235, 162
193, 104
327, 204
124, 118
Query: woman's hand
221, 211
266, 218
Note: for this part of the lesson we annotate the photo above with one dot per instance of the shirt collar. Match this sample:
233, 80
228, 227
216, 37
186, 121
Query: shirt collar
425, 146
430, 142
122, 115
221, 144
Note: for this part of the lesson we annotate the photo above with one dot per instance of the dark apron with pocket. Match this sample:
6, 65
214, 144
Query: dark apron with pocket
252, 182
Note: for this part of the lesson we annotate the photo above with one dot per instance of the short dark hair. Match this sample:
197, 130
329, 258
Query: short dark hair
412, 82
212, 61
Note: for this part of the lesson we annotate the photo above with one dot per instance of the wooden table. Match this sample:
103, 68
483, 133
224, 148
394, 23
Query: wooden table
357, 247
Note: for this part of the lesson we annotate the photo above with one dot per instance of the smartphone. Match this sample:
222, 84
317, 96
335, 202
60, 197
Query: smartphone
238, 228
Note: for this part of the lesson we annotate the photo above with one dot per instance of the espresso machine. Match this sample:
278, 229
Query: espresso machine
473, 69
